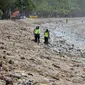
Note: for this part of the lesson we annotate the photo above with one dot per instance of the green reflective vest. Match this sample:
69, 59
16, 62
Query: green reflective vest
46, 34
37, 31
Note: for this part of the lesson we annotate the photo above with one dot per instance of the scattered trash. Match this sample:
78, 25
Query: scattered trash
19, 82
0, 66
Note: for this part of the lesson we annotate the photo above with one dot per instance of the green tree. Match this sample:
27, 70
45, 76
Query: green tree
6, 4
61, 6
25, 4
81, 4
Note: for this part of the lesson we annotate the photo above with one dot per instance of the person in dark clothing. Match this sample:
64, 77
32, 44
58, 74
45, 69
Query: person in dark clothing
1, 14
46, 36
37, 34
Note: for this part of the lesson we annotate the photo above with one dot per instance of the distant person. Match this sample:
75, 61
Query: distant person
1, 14
66, 20
46, 36
82, 21
37, 34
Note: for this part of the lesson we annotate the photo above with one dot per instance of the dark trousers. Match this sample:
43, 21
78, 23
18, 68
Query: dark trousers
46, 40
37, 38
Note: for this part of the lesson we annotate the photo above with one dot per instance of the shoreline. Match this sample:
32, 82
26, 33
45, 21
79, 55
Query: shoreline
38, 63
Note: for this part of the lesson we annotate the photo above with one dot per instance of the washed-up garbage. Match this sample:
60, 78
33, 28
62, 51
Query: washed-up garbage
0, 69
16, 75
19, 82
35, 83
0, 66
24, 82
9, 80
2, 82
24, 74
84, 69
28, 82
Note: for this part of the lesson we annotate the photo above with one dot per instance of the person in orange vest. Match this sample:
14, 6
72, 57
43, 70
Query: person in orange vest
46, 36
37, 34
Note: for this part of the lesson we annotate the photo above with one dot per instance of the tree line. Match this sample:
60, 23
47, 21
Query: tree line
46, 8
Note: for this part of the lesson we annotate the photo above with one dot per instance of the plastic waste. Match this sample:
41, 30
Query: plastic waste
19, 82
